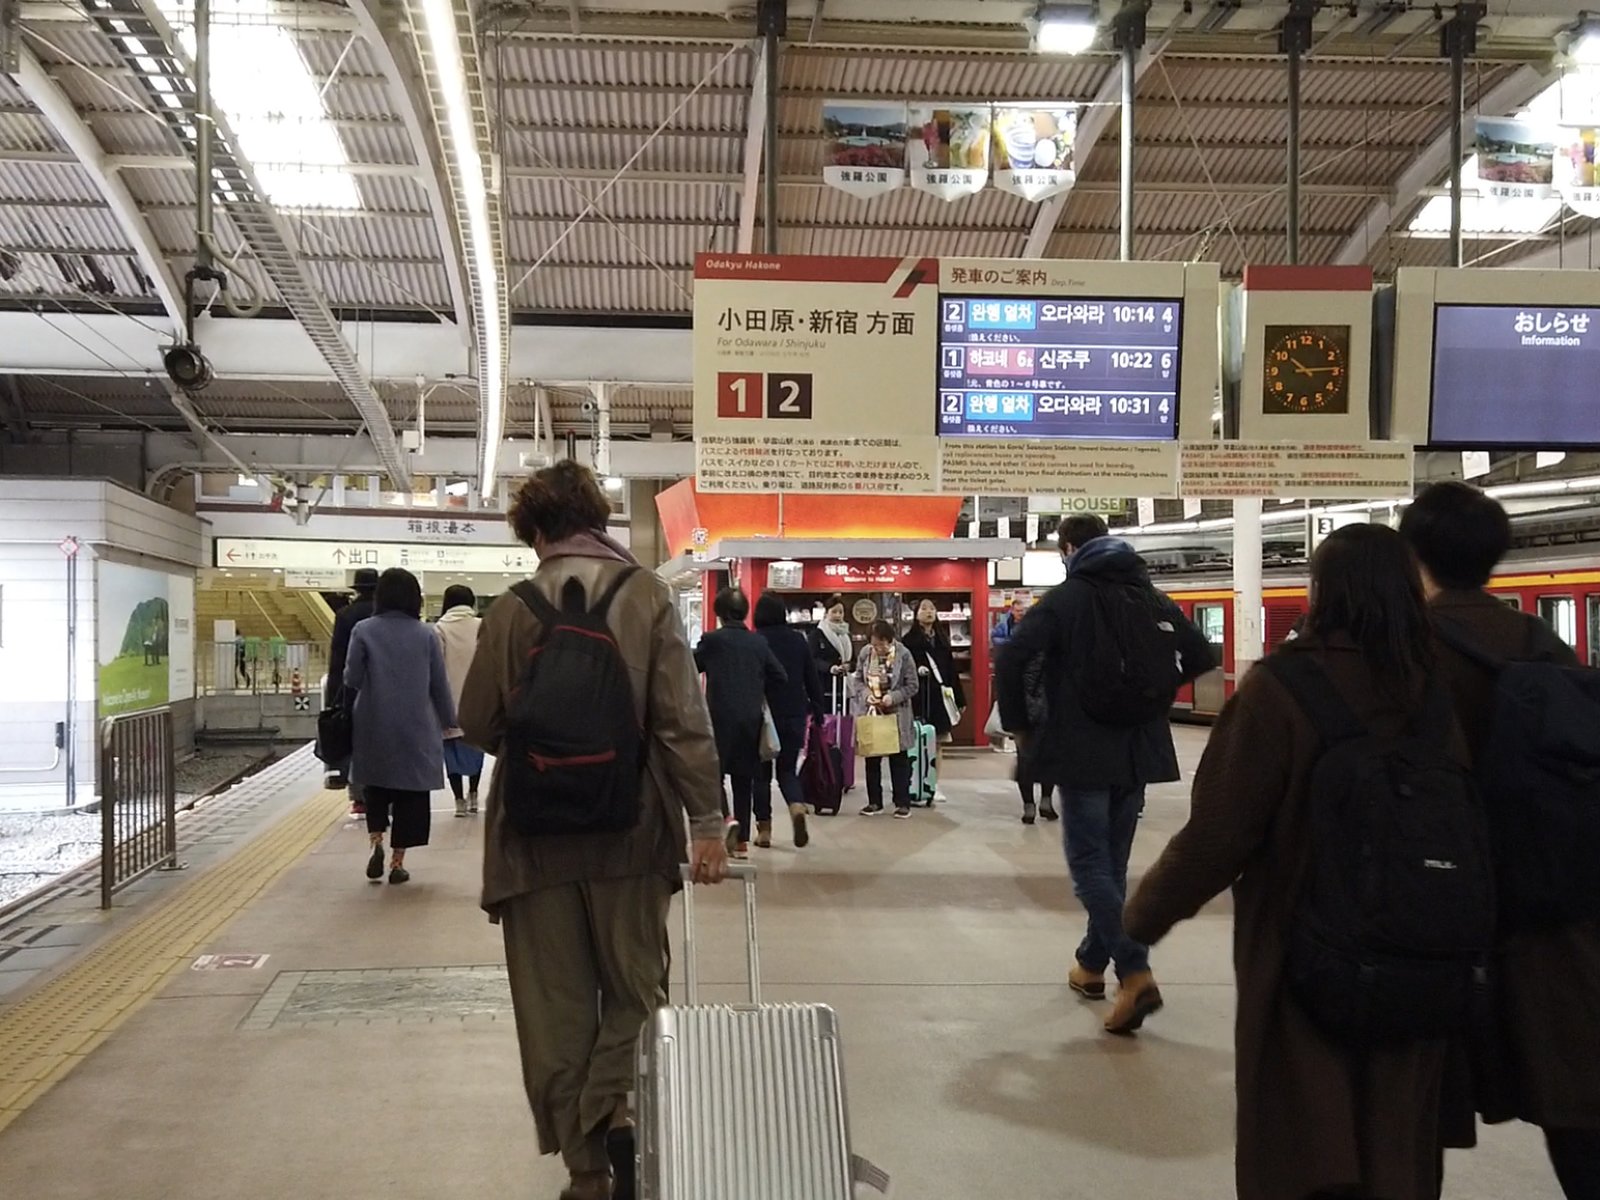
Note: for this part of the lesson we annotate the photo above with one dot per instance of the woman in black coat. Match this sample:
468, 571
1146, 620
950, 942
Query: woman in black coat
833, 650
739, 668
929, 643
794, 705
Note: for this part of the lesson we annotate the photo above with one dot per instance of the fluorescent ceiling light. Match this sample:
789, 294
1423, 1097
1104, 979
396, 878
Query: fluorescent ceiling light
1585, 46
272, 102
1065, 29
444, 40
615, 483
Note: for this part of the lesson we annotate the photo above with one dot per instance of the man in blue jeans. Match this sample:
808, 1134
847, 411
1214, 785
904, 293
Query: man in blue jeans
1101, 765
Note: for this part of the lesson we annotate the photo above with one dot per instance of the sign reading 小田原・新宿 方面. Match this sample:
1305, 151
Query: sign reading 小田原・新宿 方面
814, 374
1296, 470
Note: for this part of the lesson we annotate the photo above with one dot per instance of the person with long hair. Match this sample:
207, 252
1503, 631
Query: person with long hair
833, 649
402, 707
457, 630
584, 915
794, 705
928, 640
740, 672
1316, 1117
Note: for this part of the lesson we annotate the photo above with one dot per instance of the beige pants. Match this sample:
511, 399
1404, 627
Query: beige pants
588, 968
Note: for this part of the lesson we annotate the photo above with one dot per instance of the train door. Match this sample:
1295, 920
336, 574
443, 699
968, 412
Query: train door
1561, 614
1211, 689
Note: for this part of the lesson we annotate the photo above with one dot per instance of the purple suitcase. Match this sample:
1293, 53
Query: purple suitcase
839, 729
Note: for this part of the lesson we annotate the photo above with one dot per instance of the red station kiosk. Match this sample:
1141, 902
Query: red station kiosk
881, 554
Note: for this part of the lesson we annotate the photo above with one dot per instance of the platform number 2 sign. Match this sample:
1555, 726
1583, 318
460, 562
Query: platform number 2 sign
777, 396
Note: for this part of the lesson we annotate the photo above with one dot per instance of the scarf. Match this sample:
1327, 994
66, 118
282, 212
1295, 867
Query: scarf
591, 543
839, 638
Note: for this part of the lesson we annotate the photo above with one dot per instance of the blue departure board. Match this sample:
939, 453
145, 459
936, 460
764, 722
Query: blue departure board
1025, 367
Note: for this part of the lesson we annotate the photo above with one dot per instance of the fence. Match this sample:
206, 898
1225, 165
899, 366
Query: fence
138, 799
261, 666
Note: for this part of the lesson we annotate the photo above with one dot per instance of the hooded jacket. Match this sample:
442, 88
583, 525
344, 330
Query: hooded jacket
1071, 748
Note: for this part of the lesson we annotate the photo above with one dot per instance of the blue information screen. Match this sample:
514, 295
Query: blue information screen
1024, 367
1515, 376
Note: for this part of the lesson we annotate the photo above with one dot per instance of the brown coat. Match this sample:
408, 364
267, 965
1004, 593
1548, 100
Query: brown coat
1311, 1116
681, 771
1545, 1066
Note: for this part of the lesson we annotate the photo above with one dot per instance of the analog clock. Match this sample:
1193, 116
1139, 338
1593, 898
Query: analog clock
1307, 369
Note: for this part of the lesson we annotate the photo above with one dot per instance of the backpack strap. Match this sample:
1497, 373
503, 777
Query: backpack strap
1330, 714
543, 611
602, 606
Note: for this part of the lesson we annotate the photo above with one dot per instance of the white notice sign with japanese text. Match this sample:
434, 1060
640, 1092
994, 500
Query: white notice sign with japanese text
975, 466
814, 374
1296, 470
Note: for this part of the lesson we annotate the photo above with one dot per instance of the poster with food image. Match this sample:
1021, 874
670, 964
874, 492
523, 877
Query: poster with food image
863, 147
947, 149
1576, 177
1516, 159
1033, 150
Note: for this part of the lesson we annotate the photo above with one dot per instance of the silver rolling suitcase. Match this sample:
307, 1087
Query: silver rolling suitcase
741, 1101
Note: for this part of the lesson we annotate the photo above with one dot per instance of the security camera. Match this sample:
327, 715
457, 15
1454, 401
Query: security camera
589, 407
186, 366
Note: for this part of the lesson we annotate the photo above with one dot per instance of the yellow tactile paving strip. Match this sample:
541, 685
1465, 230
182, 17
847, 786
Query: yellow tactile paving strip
49, 1032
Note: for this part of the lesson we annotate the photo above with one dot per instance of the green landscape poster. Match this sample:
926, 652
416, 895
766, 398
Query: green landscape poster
133, 636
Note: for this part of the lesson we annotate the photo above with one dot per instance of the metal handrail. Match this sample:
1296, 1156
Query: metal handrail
138, 799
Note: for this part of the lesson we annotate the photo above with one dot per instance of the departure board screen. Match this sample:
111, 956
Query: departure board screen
1515, 376
1026, 367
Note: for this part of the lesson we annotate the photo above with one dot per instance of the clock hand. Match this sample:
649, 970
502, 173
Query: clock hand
1299, 366
1317, 370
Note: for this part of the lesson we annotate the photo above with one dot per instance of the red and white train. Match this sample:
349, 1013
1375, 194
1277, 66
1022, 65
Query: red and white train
1563, 591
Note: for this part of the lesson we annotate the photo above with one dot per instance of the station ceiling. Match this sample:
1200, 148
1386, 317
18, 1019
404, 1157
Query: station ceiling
635, 115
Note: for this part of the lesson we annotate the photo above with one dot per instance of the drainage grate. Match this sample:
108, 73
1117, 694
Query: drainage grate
306, 999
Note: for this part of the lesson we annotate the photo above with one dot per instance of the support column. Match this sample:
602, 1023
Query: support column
1294, 39
1127, 36
1458, 40
1247, 632
772, 18
645, 538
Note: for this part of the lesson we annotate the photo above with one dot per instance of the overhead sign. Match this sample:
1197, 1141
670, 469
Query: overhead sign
304, 555
823, 375
316, 581
1294, 470
813, 374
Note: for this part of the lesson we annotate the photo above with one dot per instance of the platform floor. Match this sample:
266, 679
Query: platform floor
372, 1054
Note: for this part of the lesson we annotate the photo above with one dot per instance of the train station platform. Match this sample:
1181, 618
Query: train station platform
270, 1024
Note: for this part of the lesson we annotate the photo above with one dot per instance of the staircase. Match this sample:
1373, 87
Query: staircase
262, 609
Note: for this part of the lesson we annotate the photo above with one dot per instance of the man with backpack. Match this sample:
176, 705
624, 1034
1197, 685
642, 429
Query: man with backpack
1116, 650
1531, 717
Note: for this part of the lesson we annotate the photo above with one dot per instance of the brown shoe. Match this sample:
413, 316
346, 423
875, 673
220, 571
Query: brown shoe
1091, 985
764, 834
1138, 997
588, 1185
802, 835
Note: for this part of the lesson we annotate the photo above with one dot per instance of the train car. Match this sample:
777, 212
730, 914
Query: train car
1564, 592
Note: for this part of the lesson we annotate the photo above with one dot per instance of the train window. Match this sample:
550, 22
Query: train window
1512, 601
1561, 614
1594, 631
1208, 618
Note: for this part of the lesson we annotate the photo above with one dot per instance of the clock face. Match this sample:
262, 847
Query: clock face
1307, 369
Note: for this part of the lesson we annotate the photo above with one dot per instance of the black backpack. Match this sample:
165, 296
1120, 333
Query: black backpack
573, 750
1129, 672
1539, 773
1392, 934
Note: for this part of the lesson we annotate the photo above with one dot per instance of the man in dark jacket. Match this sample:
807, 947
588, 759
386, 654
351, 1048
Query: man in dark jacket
352, 614
1100, 769
1543, 1065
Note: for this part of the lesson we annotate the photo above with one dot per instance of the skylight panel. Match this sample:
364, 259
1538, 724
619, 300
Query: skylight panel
272, 102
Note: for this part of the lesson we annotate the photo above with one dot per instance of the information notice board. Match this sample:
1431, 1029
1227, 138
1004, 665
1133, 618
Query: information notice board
918, 376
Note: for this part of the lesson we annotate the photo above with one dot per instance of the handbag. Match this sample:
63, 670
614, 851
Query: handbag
878, 735
770, 744
994, 728
335, 735
947, 694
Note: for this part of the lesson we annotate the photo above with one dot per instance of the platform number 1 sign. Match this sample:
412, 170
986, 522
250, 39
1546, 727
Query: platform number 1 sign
775, 395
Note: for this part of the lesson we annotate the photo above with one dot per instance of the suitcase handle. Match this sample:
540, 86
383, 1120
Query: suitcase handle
744, 873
